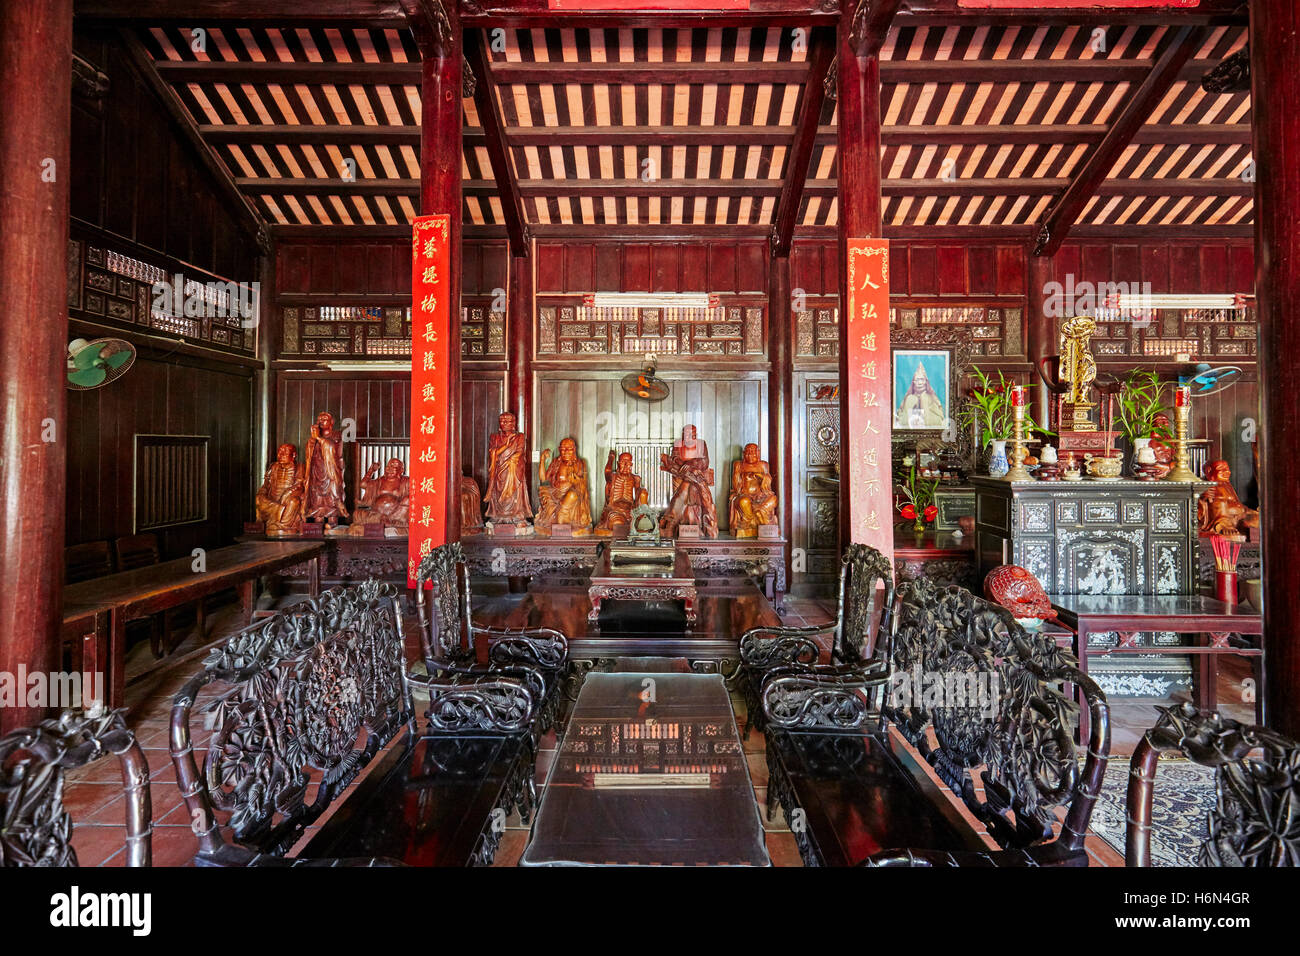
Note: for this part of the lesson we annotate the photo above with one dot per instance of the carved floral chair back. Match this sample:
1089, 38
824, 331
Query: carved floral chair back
35, 827
1256, 817
520, 687
779, 673
290, 701
992, 695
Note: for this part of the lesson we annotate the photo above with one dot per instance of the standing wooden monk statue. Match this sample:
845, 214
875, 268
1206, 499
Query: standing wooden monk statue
507, 491
325, 472
753, 502
692, 498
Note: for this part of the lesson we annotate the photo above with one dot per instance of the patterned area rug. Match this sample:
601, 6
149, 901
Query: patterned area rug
1184, 794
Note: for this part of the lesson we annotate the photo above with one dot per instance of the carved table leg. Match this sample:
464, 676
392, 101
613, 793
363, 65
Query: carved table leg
1207, 685
117, 658
689, 601
247, 599
594, 614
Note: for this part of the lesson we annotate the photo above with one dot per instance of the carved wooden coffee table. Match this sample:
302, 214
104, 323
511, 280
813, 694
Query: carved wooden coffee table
643, 582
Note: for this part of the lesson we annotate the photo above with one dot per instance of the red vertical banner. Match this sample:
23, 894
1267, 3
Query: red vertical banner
430, 386
869, 479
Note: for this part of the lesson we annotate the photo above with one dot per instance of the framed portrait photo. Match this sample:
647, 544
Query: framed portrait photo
922, 389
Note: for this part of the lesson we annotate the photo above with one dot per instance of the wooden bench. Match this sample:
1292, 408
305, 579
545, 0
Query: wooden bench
307, 700
1256, 781
1004, 762
37, 829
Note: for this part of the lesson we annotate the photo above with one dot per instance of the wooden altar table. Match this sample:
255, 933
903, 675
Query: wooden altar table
1128, 615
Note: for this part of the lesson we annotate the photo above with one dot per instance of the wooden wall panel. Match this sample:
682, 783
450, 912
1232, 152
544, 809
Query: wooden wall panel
133, 175
161, 397
728, 411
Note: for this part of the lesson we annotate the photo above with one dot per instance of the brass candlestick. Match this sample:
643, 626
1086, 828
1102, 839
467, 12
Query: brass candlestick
1182, 412
1018, 471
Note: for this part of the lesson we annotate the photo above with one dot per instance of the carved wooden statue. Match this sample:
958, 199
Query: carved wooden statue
385, 500
471, 506
324, 476
507, 490
564, 497
1219, 510
623, 492
1078, 370
752, 502
279, 500
692, 499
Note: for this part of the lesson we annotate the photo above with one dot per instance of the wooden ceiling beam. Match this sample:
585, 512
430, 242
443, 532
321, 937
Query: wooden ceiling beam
825, 188
1181, 44
690, 74
821, 52
296, 13
355, 134
512, 204
951, 13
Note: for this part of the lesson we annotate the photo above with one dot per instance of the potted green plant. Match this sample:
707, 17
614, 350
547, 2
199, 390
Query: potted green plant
989, 411
1139, 416
918, 495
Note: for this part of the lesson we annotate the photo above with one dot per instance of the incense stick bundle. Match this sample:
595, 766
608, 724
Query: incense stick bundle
1225, 553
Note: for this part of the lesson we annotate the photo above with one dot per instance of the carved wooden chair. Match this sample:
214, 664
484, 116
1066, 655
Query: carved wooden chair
787, 657
520, 689
1254, 821
36, 829
82, 562
1019, 741
296, 695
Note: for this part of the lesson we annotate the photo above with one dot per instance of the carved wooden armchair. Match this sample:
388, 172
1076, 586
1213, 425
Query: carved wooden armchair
518, 690
1017, 734
1256, 817
779, 675
35, 829
295, 694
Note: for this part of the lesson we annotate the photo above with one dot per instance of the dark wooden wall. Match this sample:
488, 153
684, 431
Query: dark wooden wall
663, 266
136, 177
142, 189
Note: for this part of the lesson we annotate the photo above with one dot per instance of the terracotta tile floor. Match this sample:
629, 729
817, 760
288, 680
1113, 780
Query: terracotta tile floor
93, 795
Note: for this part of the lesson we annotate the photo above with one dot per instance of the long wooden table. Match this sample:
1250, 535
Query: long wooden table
104, 605
650, 772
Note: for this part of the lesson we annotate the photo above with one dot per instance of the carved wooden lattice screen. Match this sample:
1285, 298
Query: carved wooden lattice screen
171, 480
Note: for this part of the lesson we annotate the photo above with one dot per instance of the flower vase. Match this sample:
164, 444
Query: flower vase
998, 464
1143, 454
919, 526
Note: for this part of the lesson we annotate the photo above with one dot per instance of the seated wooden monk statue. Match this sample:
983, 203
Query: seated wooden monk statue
623, 492
564, 496
752, 502
1219, 510
279, 500
384, 500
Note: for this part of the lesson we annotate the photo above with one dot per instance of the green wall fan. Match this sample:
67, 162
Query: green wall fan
98, 362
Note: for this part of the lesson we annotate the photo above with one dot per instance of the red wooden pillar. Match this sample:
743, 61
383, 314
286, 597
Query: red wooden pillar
858, 88
519, 339
1040, 330
1275, 89
780, 421
440, 193
35, 125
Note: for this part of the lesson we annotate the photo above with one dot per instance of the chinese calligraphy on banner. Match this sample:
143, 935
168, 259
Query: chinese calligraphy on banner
430, 386
870, 481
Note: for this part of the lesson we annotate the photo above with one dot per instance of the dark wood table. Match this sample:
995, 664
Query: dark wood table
642, 582
651, 772
106, 604
1223, 629
439, 801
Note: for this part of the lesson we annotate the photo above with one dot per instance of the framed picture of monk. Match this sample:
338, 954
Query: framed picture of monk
921, 389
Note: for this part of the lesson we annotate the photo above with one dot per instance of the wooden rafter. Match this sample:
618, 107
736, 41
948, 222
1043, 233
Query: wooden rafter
821, 53
512, 205
1182, 43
